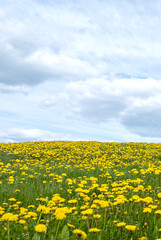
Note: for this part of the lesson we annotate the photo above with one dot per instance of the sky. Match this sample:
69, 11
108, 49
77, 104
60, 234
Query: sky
86, 70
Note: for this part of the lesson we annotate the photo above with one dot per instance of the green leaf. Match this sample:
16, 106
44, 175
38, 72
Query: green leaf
27, 237
64, 233
36, 236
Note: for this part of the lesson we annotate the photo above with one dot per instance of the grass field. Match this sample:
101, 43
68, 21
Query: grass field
80, 190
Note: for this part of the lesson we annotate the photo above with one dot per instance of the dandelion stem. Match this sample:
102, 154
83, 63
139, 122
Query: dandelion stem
39, 218
104, 220
57, 230
8, 230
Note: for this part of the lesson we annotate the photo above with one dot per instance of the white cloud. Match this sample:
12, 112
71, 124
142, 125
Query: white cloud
65, 40
61, 64
80, 66
127, 101
20, 135
9, 88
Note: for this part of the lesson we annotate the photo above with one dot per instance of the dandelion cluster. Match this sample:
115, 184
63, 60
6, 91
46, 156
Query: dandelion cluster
80, 190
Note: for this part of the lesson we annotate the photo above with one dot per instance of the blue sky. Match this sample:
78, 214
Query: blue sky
80, 70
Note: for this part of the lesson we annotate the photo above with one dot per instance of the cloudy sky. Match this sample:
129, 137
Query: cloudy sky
80, 70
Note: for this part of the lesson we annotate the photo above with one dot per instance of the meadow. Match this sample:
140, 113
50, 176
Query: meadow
80, 190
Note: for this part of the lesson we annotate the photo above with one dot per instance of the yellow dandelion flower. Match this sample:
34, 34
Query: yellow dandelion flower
96, 216
158, 212
22, 221
12, 199
60, 216
147, 210
80, 234
40, 228
6, 216
25, 228
70, 225
73, 201
130, 227
121, 224
84, 217
94, 230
